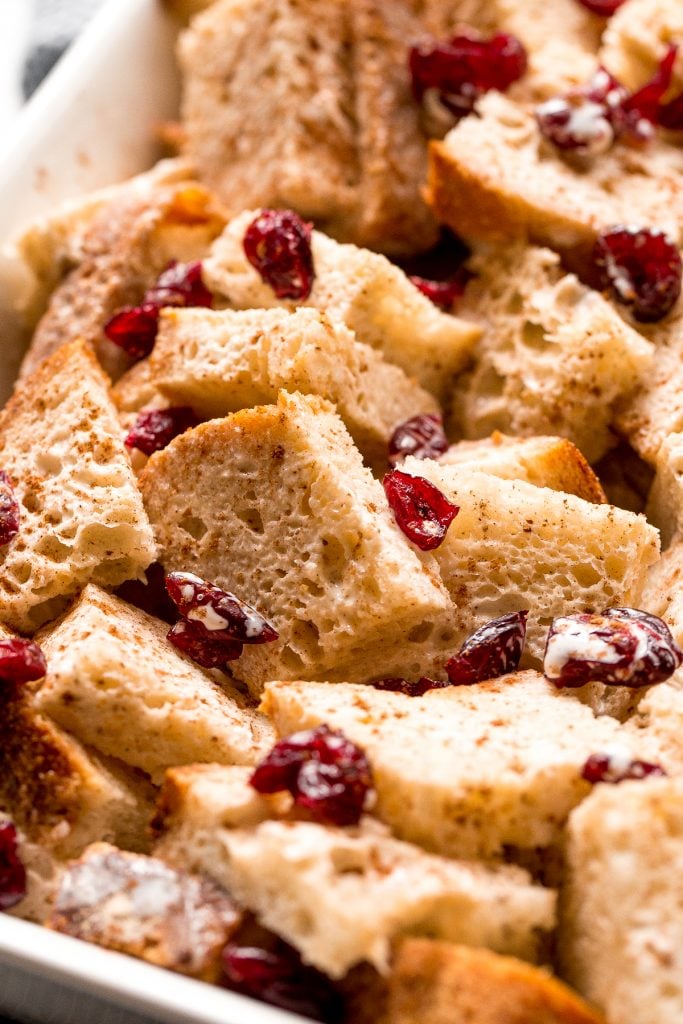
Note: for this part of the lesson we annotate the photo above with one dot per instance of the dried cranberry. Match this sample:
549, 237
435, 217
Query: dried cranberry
444, 293
278, 244
621, 647
217, 612
12, 871
21, 661
156, 428
642, 110
180, 284
9, 510
671, 114
642, 267
135, 328
576, 124
408, 686
605, 8
492, 650
421, 436
201, 647
616, 768
281, 979
461, 70
421, 511
326, 774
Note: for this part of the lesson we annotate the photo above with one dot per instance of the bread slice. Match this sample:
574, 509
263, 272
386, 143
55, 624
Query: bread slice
141, 906
552, 462
494, 179
299, 528
343, 144
82, 517
665, 500
513, 546
637, 37
622, 929
663, 594
658, 721
222, 361
129, 241
510, 779
116, 683
555, 357
341, 895
361, 289
447, 984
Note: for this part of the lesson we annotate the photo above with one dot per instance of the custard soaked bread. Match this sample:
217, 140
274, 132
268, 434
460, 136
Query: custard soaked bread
116, 683
81, 514
218, 362
555, 356
300, 529
341, 895
363, 290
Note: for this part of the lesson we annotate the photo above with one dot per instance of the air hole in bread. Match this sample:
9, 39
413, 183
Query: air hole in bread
194, 526
51, 547
418, 634
251, 517
32, 502
534, 336
334, 559
48, 463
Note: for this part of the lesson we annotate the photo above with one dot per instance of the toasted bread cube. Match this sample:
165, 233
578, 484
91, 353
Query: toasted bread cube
447, 984
514, 546
129, 241
555, 357
222, 361
341, 895
300, 529
200, 796
552, 462
511, 777
658, 721
81, 513
665, 500
494, 179
637, 37
141, 906
622, 930
663, 594
363, 290
117, 683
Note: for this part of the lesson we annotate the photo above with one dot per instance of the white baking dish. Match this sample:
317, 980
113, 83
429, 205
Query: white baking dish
92, 124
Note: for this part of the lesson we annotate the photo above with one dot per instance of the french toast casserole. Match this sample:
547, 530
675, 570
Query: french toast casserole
341, 521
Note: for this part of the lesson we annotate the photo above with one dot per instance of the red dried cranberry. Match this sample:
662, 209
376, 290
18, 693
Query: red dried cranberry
134, 329
421, 511
12, 871
671, 114
621, 647
642, 110
201, 647
461, 70
278, 244
180, 284
156, 428
408, 686
281, 979
216, 612
9, 510
325, 773
444, 293
21, 661
576, 124
422, 436
616, 768
642, 267
492, 650
605, 8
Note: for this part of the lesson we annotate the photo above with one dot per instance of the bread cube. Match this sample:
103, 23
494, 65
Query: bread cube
341, 895
665, 500
222, 361
658, 721
81, 514
552, 462
141, 906
663, 594
622, 926
637, 37
514, 546
467, 770
274, 504
555, 357
118, 684
494, 179
361, 289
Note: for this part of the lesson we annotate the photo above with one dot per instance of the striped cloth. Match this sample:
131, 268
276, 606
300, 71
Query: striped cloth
56, 24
